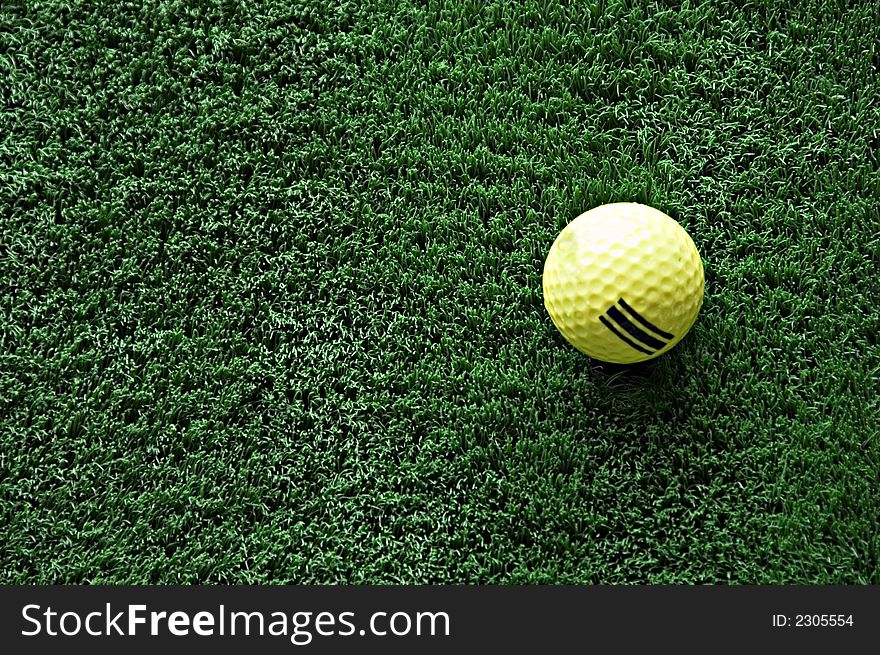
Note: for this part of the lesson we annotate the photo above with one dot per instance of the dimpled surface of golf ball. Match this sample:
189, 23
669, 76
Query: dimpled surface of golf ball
623, 282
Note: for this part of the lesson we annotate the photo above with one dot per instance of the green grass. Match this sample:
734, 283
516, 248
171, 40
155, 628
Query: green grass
270, 288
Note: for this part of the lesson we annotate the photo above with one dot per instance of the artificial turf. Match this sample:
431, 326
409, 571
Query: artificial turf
270, 280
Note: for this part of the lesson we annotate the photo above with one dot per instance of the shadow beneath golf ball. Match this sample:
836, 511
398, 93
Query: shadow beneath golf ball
611, 371
644, 404
661, 377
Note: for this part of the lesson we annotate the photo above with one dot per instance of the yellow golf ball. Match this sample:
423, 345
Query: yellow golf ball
623, 282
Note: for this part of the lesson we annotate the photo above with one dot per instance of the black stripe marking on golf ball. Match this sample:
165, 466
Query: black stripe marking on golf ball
641, 319
633, 330
623, 337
